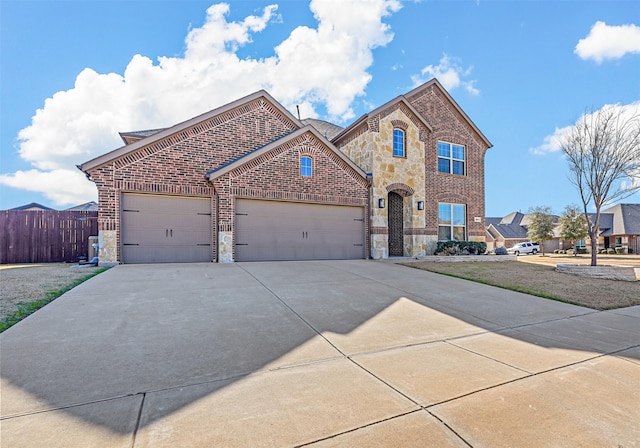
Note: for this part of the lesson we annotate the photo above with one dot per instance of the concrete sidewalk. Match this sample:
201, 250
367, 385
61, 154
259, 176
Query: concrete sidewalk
335, 353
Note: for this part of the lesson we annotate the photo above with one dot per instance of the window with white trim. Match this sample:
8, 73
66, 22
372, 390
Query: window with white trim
306, 166
452, 222
398, 143
451, 158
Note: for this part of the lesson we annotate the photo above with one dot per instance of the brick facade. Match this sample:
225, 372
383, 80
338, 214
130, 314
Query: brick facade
251, 148
426, 115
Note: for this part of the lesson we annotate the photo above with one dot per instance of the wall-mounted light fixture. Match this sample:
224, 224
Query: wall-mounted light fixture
381, 203
420, 205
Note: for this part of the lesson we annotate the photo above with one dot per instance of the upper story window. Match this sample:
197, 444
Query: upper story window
398, 143
451, 158
306, 166
452, 222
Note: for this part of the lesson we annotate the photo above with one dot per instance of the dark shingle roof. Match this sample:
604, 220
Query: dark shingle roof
328, 130
144, 133
91, 206
621, 219
32, 206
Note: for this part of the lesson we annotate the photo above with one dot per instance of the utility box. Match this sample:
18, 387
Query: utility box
93, 247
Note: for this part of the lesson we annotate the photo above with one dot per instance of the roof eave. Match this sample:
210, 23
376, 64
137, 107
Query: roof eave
434, 81
124, 150
214, 174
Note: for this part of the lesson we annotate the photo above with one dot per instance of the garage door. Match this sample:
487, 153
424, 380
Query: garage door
272, 230
165, 229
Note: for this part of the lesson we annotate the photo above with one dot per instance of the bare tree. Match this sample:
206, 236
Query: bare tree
541, 226
573, 226
603, 151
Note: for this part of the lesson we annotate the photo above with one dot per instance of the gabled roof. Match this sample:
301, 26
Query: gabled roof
373, 113
621, 219
404, 98
162, 134
32, 206
512, 226
134, 136
246, 158
512, 218
329, 130
510, 231
435, 83
91, 206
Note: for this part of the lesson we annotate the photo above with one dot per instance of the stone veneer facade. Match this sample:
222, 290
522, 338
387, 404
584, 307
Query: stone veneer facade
179, 160
427, 115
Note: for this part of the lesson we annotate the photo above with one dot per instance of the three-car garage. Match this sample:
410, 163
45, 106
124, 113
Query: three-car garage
172, 229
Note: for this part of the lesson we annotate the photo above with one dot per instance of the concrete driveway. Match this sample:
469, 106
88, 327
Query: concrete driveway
335, 353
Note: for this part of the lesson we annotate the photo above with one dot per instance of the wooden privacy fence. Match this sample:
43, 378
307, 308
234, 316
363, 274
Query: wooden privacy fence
45, 236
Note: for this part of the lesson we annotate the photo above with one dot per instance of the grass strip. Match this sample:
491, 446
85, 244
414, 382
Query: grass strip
542, 281
24, 309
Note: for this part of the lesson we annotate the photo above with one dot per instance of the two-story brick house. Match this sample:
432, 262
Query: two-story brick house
249, 181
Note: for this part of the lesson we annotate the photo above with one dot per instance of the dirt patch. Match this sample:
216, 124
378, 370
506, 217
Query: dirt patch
29, 282
542, 280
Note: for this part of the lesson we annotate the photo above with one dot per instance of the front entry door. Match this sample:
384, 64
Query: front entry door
396, 225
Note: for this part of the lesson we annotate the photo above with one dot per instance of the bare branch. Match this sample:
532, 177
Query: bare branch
603, 153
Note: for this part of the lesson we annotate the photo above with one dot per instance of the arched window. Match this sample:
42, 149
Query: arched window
398, 143
306, 166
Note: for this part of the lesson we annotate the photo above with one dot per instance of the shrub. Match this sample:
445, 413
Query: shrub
557, 251
611, 251
620, 250
460, 248
568, 251
582, 250
602, 250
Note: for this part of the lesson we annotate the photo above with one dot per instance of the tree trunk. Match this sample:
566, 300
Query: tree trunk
594, 248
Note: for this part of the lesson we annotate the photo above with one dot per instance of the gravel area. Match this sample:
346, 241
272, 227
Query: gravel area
29, 282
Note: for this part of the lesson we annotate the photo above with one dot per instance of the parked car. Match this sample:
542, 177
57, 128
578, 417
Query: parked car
524, 248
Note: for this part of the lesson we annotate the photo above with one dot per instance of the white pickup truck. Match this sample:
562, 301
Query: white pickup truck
524, 248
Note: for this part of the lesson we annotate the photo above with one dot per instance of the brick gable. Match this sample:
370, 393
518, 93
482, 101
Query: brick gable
275, 175
451, 126
178, 163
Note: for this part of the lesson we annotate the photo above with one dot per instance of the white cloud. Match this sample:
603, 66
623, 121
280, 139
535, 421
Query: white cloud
449, 73
551, 143
609, 42
62, 186
81, 123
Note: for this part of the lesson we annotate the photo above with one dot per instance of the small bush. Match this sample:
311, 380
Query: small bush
611, 251
620, 250
460, 248
602, 250
582, 250
568, 251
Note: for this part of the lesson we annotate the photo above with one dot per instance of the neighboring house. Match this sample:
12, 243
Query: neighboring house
91, 206
513, 228
620, 227
249, 181
34, 206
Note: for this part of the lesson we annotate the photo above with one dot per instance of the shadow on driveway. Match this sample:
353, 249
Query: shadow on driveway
143, 342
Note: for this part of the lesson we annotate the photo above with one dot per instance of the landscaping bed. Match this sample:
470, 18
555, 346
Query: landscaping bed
544, 281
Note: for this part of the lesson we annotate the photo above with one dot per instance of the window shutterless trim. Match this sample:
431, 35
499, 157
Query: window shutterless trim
399, 142
306, 169
450, 161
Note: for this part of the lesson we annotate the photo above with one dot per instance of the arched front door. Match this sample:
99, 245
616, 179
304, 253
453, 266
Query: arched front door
396, 225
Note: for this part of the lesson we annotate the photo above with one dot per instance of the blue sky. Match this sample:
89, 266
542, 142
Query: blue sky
74, 73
